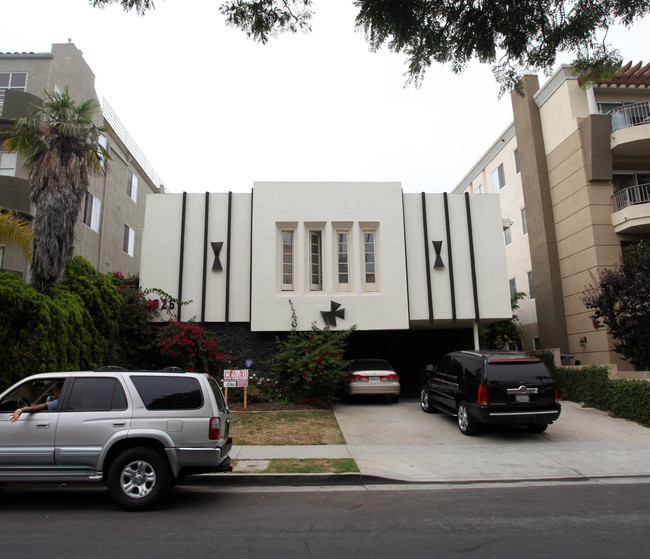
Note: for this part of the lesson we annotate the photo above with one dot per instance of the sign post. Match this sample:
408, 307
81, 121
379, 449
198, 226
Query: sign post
236, 378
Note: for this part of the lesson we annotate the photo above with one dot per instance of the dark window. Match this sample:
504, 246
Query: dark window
518, 372
96, 394
444, 366
221, 403
169, 393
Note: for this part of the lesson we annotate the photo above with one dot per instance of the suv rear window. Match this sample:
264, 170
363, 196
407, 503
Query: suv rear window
518, 371
169, 393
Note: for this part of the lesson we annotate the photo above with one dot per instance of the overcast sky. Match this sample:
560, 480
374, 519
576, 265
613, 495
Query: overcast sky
214, 111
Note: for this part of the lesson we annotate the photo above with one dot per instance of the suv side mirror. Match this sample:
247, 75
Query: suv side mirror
429, 368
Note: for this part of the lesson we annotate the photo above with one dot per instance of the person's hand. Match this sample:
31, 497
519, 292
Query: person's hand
16, 415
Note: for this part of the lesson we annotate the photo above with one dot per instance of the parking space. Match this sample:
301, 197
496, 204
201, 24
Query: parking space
402, 442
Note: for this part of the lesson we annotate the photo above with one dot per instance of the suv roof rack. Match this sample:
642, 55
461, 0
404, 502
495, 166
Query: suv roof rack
116, 368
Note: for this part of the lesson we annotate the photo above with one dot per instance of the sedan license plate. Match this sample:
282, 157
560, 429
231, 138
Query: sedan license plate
374, 379
522, 398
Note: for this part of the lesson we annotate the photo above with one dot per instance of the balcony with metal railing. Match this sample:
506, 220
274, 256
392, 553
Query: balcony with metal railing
631, 130
632, 209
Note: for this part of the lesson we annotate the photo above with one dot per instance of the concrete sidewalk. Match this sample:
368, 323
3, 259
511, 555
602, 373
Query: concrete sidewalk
401, 443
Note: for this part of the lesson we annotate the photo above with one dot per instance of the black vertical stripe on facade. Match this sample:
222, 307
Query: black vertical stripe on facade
477, 314
205, 255
452, 286
426, 256
182, 255
227, 317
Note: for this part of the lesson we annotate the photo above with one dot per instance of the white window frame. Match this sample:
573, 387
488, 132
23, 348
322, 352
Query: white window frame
315, 243
512, 283
131, 185
128, 241
2, 256
8, 162
498, 178
515, 156
479, 189
287, 239
92, 211
343, 259
507, 236
524, 222
370, 259
531, 285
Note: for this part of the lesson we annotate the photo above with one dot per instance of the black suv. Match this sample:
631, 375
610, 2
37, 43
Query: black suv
496, 387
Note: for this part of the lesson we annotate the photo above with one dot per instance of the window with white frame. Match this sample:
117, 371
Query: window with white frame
128, 243
478, 189
498, 178
507, 235
513, 287
286, 249
2, 256
315, 261
524, 222
104, 143
92, 211
131, 185
370, 259
531, 286
516, 158
8, 163
11, 80
536, 344
343, 259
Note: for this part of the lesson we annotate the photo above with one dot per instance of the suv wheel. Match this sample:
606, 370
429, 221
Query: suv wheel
466, 423
425, 401
138, 478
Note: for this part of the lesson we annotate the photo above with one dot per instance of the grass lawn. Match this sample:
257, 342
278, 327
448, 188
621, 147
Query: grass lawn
285, 428
306, 466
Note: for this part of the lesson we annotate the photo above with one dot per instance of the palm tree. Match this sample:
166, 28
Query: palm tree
60, 144
13, 228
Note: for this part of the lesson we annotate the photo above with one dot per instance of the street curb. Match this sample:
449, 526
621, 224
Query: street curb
360, 480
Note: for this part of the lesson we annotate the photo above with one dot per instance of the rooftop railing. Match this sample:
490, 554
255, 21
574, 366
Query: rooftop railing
630, 115
631, 195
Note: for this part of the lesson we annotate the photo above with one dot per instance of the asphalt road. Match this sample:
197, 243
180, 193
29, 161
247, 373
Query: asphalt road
500, 521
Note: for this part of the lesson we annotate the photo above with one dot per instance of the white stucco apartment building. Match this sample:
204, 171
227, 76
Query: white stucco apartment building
345, 254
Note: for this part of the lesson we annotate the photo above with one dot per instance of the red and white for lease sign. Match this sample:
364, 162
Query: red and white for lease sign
235, 378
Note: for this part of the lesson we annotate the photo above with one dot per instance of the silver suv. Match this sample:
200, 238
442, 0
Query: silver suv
138, 432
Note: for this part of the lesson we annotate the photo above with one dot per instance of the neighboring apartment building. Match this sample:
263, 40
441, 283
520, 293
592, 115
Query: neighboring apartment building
110, 224
573, 176
397, 266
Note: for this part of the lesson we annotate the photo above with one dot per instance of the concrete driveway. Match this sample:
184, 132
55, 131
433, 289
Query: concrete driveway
399, 441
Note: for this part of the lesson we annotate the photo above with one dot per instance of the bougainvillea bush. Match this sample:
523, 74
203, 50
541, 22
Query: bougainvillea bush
309, 365
188, 346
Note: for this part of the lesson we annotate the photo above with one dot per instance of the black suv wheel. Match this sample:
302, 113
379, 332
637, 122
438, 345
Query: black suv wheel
425, 401
466, 423
138, 478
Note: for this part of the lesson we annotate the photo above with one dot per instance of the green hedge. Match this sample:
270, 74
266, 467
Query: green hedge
591, 386
69, 328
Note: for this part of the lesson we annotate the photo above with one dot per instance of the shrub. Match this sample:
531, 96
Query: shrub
629, 399
309, 365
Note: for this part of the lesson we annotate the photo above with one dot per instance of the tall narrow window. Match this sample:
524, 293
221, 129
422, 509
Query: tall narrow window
498, 178
8, 163
131, 185
513, 287
516, 156
478, 189
370, 260
507, 236
524, 222
2, 256
287, 260
128, 242
92, 211
316, 260
343, 260
531, 286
